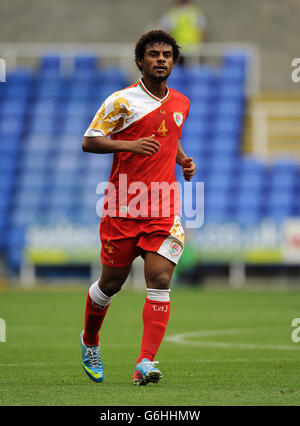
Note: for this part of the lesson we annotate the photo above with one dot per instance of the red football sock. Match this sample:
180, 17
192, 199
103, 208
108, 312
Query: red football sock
155, 319
94, 316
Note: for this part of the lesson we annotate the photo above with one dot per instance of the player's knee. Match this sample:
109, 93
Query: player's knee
110, 287
159, 281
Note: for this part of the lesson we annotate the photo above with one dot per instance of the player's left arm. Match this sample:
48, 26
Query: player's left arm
187, 164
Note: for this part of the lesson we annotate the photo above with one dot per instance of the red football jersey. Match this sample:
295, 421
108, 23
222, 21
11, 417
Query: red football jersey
139, 185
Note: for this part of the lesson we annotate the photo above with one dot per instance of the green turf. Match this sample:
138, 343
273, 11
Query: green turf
40, 364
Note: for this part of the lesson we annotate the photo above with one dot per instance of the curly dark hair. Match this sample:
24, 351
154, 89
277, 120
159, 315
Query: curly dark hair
155, 36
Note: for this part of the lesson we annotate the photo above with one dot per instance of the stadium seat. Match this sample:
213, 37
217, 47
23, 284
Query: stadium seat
41, 126
231, 91
50, 63
227, 126
220, 162
225, 144
279, 214
13, 109
246, 216
281, 197
85, 61
283, 179
12, 127
27, 198
249, 198
230, 108
219, 181
24, 216
20, 75
252, 181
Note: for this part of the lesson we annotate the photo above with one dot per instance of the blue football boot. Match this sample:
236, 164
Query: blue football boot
91, 361
145, 372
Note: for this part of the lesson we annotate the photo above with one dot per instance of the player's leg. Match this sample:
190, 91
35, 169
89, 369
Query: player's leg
156, 312
97, 303
98, 300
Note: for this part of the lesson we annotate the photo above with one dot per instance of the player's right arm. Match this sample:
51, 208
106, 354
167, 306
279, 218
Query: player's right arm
103, 145
112, 117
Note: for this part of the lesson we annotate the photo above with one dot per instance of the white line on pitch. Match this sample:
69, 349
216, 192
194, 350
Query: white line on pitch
182, 339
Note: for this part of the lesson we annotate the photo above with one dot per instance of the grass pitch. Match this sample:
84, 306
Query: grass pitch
222, 347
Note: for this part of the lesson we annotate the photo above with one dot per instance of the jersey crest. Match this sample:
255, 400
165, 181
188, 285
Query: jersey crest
178, 117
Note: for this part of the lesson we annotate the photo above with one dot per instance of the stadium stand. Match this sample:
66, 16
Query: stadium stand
44, 177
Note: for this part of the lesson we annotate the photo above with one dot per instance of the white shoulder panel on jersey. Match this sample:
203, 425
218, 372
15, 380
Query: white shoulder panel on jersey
122, 109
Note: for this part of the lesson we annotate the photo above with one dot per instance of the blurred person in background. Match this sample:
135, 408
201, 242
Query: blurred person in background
186, 22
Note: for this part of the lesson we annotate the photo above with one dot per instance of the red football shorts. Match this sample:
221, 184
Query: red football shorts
123, 239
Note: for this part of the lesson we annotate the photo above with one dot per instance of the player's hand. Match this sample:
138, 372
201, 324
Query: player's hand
145, 146
188, 168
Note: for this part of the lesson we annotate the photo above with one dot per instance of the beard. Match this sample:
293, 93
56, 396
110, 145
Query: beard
158, 78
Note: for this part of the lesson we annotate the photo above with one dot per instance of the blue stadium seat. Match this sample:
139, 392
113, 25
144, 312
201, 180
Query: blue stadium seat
4, 198
7, 164
14, 257
281, 197
24, 216
236, 57
20, 75
11, 127
217, 199
38, 143
279, 214
221, 162
199, 91
72, 128
35, 162
9, 145
216, 215
85, 61
80, 91
50, 63
231, 91
284, 164
234, 74
88, 216
225, 144
58, 214
196, 148
44, 108
230, 108
283, 179
32, 180
80, 108
227, 126
41, 126
48, 90
112, 76
252, 181
199, 109
219, 181
200, 73
94, 161
65, 179
251, 164
249, 198
62, 197
16, 237
196, 128
65, 163
13, 109
17, 91
28, 198
246, 216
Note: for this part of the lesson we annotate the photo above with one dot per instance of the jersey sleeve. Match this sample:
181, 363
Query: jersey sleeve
111, 117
